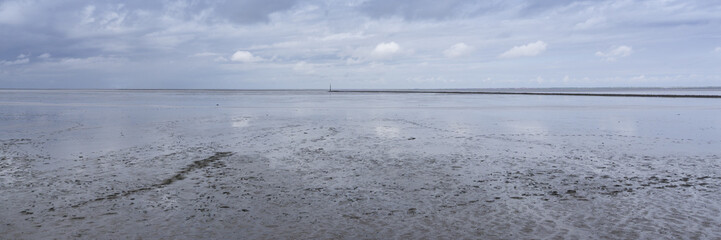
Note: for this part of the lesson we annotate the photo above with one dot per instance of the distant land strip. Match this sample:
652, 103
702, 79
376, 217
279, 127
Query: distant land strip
535, 93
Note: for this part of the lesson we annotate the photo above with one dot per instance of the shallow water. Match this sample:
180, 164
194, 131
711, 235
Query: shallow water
309, 164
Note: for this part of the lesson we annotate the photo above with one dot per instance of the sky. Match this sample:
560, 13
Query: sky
373, 44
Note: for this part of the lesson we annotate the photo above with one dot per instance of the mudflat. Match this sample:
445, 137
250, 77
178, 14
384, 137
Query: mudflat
189, 164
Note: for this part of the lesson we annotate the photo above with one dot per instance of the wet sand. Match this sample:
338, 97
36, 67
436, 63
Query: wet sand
309, 164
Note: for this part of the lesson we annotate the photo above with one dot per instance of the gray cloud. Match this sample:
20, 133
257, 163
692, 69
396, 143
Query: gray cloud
252, 11
537, 7
427, 9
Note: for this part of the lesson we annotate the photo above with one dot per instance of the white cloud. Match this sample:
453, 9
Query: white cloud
385, 50
88, 14
590, 23
89, 61
615, 53
528, 50
16, 62
342, 36
718, 50
21, 59
44, 56
244, 56
458, 50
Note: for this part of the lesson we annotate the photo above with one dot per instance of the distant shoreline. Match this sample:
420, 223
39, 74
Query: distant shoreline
533, 93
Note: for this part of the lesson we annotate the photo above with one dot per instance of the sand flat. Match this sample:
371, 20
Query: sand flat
309, 164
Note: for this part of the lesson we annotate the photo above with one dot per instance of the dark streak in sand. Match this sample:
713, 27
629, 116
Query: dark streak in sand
180, 175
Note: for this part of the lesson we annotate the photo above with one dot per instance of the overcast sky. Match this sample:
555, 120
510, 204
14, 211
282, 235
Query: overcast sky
359, 44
